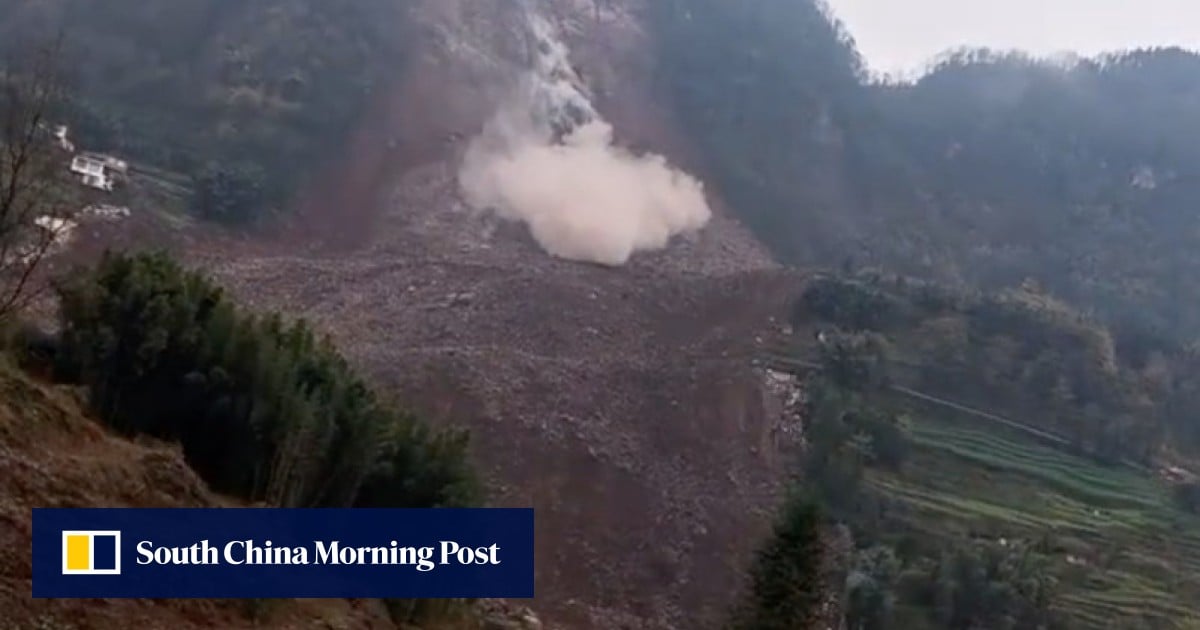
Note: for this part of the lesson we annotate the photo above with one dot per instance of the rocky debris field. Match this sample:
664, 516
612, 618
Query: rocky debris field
621, 403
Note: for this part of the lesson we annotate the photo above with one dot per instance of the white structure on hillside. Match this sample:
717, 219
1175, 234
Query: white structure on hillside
98, 171
60, 134
105, 211
91, 172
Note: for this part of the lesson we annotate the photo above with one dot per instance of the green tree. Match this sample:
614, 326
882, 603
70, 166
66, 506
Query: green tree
869, 600
855, 361
263, 408
785, 582
886, 436
992, 586
176, 85
231, 194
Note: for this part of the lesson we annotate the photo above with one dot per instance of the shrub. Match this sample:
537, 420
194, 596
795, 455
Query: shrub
785, 589
263, 408
230, 194
851, 305
856, 361
35, 350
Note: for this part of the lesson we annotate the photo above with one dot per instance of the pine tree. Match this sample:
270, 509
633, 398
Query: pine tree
786, 590
263, 408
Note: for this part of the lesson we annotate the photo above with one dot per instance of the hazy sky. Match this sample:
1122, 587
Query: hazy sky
902, 35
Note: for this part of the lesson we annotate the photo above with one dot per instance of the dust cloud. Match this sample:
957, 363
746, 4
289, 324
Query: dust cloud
548, 159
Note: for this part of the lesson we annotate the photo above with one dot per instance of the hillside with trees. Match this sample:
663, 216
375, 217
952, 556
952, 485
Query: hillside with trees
990, 169
246, 98
263, 409
993, 413
998, 460
1020, 350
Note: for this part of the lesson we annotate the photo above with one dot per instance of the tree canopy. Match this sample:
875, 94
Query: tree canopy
785, 582
263, 407
181, 84
990, 169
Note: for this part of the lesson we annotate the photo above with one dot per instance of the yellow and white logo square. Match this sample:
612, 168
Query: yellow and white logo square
91, 553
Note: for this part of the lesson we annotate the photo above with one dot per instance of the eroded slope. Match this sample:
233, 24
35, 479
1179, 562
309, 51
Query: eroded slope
620, 402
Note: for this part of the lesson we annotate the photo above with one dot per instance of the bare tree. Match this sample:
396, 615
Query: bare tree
32, 211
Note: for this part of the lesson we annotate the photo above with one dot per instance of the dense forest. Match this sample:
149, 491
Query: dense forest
245, 98
990, 169
1023, 352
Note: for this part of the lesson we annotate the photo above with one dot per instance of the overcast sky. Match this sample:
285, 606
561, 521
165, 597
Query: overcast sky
902, 35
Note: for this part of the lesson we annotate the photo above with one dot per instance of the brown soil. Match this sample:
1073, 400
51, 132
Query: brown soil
620, 403
51, 455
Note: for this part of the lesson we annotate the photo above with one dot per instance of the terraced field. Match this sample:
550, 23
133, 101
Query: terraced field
1124, 555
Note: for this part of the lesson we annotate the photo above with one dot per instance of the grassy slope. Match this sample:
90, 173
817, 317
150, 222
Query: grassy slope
1134, 558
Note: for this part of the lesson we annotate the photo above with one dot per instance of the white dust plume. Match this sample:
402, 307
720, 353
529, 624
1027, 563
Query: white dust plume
548, 159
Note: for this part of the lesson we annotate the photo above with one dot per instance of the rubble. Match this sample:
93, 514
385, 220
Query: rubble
621, 403
105, 212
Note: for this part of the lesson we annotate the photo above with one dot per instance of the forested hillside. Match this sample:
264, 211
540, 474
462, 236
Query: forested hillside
247, 97
996, 414
1000, 461
990, 169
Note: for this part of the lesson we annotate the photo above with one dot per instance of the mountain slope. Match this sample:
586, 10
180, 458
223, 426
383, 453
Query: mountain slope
52, 455
266, 88
622, 406
620, 402
990, 169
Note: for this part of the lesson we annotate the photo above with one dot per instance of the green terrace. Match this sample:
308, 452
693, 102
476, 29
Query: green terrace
1124, 555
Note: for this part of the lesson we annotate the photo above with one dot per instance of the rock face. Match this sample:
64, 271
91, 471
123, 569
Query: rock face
622, 402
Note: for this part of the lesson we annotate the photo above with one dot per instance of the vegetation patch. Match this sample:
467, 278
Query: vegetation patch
249, 99
263, 408
1027, 486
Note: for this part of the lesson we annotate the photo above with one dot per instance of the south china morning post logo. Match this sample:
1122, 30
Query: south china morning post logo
283, 553
268, 553
98, 553
91, 552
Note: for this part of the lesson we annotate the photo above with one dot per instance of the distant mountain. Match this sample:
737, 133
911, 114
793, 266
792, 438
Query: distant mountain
989, 169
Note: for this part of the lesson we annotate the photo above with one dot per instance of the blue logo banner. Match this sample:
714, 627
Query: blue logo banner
259, 552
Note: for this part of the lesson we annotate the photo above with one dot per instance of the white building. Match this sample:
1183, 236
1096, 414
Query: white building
97, 171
